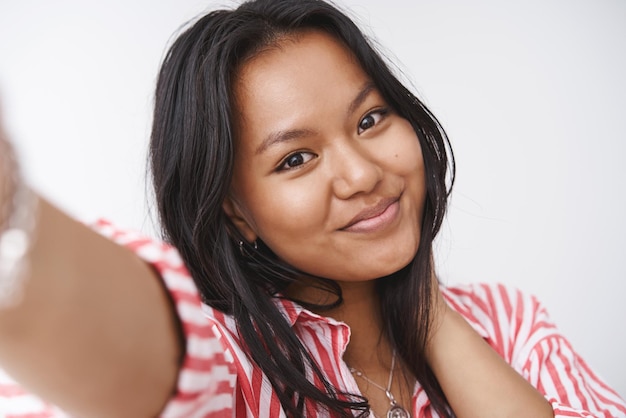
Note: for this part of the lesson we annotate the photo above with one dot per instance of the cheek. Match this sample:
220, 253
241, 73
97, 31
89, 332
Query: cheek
405, 157
286, 211
410, 159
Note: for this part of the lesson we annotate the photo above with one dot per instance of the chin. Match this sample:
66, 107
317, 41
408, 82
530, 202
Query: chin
396, 268
375, 267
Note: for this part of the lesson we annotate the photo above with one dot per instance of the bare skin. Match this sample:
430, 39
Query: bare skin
369, 351
317, 104
475, 379
96, 335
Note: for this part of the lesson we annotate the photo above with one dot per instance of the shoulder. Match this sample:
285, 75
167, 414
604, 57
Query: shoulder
511, 321
206, 369
490, 299
166, 262
164, 257
518, 327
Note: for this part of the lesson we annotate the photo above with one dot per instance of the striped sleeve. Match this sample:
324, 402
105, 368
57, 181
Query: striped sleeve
15, 402
207, 377
518, 327
567, 381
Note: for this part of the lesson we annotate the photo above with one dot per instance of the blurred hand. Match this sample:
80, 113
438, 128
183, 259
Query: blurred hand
7, 166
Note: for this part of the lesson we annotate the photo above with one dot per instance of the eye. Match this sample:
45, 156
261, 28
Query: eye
295, 160
371, 119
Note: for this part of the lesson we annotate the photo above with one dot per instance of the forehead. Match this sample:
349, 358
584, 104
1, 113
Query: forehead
304, 75
297, 51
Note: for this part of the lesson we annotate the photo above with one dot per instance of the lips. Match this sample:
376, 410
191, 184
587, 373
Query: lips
374, 217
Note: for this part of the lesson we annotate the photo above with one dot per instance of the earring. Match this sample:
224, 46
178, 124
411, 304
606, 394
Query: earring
254, 245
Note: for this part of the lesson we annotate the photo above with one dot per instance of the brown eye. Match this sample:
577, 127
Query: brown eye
371, 119
295, 160
367, 122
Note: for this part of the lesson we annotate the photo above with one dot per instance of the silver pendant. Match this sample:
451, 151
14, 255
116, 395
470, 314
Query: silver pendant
396, 411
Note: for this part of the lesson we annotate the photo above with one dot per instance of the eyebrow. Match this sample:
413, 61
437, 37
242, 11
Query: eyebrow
367, 88
292, 134
282, 136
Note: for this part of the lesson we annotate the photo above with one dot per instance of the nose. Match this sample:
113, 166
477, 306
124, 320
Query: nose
354, 171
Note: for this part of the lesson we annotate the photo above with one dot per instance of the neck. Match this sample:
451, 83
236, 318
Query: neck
369, 348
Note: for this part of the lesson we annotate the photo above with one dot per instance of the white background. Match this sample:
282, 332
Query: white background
532, 94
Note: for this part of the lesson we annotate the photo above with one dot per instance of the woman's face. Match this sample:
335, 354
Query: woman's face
326, 174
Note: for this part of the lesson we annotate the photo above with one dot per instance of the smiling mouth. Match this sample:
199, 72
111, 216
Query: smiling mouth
376, 217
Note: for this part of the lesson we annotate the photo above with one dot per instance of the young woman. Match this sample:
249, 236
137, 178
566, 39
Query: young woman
300, 186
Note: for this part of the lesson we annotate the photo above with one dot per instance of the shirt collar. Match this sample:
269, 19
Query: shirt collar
298, 317
296, 313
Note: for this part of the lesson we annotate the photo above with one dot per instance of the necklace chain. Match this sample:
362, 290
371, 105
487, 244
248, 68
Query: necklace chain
387, 390
395, 410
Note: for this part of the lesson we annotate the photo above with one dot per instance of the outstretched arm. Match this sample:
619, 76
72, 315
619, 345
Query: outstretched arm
94, 333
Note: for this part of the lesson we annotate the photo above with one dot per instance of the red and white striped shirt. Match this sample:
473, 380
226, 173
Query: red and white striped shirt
218, 380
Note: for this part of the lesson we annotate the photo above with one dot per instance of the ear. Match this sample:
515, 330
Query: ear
233, 210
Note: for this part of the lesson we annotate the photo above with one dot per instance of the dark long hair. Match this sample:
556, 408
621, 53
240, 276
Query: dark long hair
192, 155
